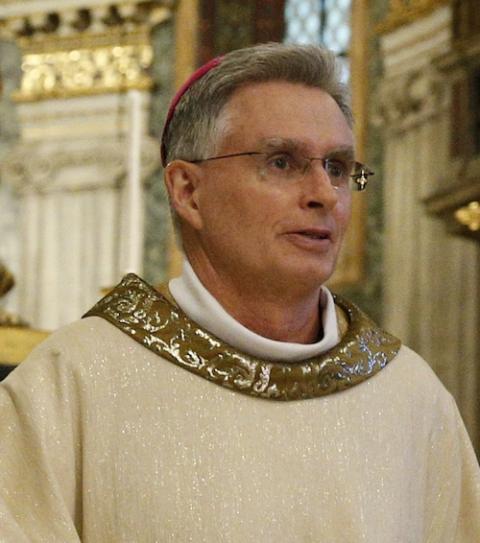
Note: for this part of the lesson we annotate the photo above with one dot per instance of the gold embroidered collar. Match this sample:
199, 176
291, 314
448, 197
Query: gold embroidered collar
152, 320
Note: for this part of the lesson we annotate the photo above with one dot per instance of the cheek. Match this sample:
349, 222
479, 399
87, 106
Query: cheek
224, 210
231, 198
343, 211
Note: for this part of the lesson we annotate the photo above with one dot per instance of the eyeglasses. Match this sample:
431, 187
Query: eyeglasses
292, 166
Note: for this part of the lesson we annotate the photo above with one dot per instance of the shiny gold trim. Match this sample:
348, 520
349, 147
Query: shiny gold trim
404, 12
141, 312
84, 72
469, 216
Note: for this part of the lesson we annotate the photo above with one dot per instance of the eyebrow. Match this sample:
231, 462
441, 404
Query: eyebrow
345, 151
285, 143
272, 144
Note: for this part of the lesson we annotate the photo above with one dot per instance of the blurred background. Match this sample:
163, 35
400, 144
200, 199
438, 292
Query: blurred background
85, 85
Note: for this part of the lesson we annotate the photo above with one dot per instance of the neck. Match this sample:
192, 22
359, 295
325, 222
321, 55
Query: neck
271, 311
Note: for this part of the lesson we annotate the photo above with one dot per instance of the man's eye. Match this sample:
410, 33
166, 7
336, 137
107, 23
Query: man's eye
281, 162
336, 168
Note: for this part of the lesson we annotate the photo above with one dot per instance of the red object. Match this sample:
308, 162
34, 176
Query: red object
198, 74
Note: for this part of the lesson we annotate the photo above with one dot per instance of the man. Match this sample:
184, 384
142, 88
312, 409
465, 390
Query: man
243, 403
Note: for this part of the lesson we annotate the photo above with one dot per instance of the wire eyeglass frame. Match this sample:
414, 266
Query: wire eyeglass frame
359, 173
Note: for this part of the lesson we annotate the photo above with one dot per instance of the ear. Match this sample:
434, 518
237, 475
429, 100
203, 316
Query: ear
182, 180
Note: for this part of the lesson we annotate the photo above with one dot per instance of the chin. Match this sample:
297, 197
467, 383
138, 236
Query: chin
309, 276
315, 269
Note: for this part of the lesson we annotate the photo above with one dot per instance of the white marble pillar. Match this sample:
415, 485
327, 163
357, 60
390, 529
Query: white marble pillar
69, 173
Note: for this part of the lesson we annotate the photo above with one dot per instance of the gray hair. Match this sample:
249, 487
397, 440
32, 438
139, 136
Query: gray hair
192, 131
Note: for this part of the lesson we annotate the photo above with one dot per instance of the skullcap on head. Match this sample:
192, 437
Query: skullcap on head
197, 74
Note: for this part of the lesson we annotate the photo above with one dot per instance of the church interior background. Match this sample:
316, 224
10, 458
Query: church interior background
85, 85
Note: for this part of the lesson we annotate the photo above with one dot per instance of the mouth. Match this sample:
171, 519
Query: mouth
314, 233
311, 239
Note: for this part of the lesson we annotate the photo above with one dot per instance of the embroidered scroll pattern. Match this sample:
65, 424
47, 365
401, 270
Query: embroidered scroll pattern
149, 318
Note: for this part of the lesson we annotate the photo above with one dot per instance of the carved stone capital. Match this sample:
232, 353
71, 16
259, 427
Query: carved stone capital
410, 99
74, 166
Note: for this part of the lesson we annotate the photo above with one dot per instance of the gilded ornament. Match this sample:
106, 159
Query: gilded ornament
152, 320
84, 71
469, 216
76, 52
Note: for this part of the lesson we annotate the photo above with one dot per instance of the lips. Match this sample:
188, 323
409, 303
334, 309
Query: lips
311, 239
314, 233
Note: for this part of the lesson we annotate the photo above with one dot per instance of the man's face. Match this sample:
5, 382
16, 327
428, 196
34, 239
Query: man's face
254, 224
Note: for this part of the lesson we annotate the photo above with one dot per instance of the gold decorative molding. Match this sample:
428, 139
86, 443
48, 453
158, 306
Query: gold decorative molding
404, 12
84, 51
469, 216
78, 72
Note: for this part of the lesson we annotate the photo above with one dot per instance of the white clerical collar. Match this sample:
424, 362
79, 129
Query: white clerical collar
197, 302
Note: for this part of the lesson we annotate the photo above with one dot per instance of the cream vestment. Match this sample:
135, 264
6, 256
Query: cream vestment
136, 424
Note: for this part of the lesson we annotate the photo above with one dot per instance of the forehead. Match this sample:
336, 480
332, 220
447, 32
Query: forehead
279, 109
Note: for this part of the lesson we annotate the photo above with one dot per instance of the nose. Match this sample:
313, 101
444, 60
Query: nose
318, 190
